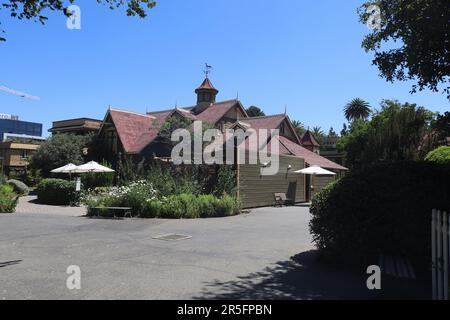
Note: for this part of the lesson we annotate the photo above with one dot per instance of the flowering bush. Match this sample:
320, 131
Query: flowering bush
134, 195
147, 202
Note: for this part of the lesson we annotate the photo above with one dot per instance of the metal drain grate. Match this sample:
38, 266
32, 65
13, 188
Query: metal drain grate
172, 237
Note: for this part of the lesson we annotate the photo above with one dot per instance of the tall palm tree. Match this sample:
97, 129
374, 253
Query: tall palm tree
299, 127
317, 132
357, 109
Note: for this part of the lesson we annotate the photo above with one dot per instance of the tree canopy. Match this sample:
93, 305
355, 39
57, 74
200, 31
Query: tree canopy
60, 150
440, 155
254, 111
357, 109
412, 42
396, 132
36, 10
299, 127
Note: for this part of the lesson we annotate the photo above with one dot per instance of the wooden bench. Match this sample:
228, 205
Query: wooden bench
125, 210
397, 267
281, 199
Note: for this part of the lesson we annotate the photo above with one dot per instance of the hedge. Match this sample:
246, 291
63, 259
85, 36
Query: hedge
383, 209
57, 192
183, 206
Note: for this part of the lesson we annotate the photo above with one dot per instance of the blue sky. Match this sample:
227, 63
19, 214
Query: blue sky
305, 55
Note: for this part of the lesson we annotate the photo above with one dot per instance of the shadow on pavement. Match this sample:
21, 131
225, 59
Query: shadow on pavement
9, 263
301, 277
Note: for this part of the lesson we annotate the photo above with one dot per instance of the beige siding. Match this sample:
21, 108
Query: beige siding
320, 182
258, 191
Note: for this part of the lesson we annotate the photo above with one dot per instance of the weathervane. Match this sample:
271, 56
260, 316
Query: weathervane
207, 70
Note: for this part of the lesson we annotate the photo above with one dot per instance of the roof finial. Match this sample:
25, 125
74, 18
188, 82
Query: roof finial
207, 70
237, 95
285, 109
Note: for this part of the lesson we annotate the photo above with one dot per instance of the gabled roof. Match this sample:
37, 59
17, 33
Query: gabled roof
216, 111
311, 158
266, 122
270, 122
309, 140
135, 130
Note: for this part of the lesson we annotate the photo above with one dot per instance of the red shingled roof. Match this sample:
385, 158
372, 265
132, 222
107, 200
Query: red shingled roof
216, 111
311, 158
266, 122
309, 140
206, 85
135, 130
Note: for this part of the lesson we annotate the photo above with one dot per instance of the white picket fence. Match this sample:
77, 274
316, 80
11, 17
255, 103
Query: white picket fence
440, 241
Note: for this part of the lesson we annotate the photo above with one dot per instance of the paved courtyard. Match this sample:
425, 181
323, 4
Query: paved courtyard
266, 254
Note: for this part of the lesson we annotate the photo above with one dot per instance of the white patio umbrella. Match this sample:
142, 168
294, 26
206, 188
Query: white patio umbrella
316, 170
92, 167
68, 168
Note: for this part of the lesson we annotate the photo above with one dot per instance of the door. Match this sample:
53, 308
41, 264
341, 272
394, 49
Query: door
307, 188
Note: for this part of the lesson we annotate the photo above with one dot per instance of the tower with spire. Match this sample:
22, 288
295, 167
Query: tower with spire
206, 93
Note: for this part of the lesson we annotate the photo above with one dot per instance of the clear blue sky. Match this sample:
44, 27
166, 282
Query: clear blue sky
306, 55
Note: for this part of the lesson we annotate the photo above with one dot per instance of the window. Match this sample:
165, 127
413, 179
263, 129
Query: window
282, 128
24, 154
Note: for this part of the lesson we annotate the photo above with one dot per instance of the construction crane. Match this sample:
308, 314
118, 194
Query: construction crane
18, 93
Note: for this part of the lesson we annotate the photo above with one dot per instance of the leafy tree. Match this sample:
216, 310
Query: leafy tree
60, 150
440, 155
332, 133
397, 132
254, 111
317, 131
319, 135
172, 124
357, 109
299, 127
412, 42
442, 125
35, 10
344, 130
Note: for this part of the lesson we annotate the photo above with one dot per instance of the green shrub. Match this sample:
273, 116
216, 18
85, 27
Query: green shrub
19, 187
226, 181
168, 181
30, 177
96, 180
135, 195
226, 206
189, 206
57, 192
153, 209
8, 199
440, 155
207, 205
382, 209
3, 179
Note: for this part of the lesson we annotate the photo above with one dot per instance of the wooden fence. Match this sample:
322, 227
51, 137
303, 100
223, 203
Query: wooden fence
440, 243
